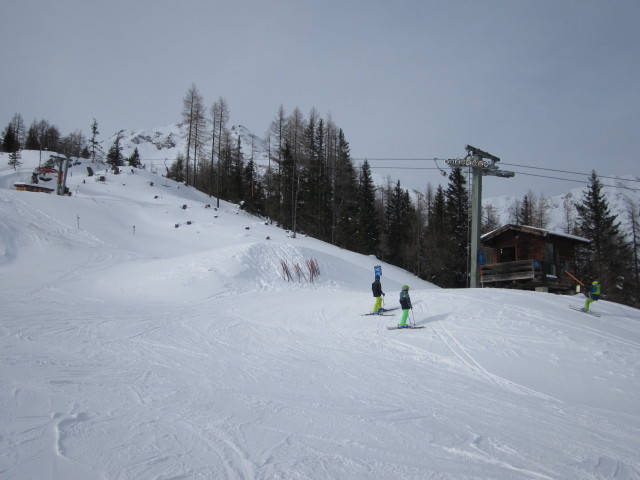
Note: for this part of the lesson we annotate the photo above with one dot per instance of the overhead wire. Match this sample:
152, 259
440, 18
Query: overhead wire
582, 181
585, 182
569, 172
437, 167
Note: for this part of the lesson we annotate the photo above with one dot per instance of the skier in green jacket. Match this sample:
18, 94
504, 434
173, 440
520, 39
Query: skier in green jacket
592, 296
405, 303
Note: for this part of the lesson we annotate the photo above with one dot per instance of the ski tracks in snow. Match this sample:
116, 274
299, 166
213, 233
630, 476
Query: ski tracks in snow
473, 365
31, 225
467, 359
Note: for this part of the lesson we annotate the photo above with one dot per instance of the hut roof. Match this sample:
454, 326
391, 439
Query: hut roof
534, 231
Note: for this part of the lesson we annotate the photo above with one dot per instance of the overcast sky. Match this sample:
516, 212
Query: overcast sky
551, 84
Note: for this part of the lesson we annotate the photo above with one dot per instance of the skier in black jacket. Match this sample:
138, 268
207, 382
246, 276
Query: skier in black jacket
376, 288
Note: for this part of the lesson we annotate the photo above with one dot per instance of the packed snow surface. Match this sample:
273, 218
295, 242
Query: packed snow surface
147, 334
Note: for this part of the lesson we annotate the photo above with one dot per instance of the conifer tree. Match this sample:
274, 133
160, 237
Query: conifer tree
633, 214
288, 180
490, 219
397, 213
294, 137
224, 166
457, 208
309, 217
568, 214
437, 240
533, 211
541, 216
253, 195
194, 121
176, 171
607, 257
525, 215
415, 224
219, 118
72, 144
236, 172
10, 142
295, 133
95, 145
345, 188
315, 189
277, 133
514, 211
14, 159
51, 139
32, 141
17, 134
326, 187
367, 219
134, 159
423, 213
114, 156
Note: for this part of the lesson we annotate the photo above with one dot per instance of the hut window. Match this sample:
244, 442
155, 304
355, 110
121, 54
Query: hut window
507, 254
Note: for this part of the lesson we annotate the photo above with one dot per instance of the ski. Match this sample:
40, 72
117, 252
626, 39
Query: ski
408, 327
382, 312
578, 309
378, 314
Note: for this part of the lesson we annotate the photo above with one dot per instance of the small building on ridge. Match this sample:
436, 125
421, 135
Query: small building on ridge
529, 258
32, 187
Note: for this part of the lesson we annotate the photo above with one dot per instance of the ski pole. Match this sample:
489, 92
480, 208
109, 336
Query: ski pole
413, 317
569, 273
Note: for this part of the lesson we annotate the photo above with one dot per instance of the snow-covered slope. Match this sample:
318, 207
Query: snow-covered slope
146, 335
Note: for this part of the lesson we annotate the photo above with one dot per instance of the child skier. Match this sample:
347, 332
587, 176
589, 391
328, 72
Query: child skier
405, 303
592, 296
376, 288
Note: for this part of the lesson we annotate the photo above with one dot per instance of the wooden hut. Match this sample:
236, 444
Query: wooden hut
529, 258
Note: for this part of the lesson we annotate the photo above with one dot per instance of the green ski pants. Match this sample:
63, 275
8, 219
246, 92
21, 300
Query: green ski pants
378, 305
588, 303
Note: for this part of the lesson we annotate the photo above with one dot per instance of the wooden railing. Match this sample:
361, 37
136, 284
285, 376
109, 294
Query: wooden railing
525, 274
509, 271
